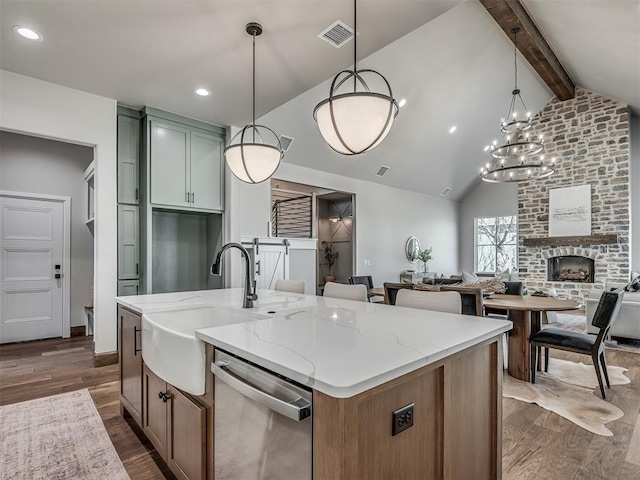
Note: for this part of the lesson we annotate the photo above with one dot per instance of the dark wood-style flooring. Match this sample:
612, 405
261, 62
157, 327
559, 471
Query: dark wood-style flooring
48, 367
537, 444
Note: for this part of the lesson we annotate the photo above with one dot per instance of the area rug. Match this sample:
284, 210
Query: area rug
57, 437
568, 390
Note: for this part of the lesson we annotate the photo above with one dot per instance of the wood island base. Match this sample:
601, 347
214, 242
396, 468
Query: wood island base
456, 432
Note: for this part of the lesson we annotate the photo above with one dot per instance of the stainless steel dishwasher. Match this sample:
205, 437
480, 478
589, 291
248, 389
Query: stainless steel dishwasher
263, 423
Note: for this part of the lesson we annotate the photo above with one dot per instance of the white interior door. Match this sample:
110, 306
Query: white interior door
32, 245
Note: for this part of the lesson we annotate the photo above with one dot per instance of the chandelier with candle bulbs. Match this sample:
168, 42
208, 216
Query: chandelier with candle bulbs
520, 156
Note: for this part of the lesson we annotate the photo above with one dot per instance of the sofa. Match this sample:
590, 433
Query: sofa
628, 323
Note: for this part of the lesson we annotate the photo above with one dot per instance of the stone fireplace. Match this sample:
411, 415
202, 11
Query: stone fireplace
590, 137
571, 268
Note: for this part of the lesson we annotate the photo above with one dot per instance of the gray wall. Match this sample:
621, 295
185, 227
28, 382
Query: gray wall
634, 144
37, 165
184, 247
486, 200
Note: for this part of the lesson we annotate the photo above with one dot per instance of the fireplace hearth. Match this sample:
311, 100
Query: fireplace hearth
570, 268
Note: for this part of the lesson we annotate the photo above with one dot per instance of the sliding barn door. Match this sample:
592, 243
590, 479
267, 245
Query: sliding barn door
272, 263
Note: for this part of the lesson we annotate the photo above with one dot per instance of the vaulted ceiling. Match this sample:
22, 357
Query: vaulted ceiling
448, 58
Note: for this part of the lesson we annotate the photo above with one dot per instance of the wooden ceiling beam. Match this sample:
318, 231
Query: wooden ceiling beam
510, 14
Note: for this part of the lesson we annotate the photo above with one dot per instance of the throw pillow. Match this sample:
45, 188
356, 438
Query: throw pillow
514, 275
469, 277
508, 275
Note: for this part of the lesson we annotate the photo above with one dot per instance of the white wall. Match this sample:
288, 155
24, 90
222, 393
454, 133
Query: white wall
47, 110
36, 165
634, 138
384, 219
486, 200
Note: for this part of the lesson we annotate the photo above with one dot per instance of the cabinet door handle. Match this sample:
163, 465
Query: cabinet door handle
136, 194
137, 289
136, 330
193, 197
163, 396
186, 197
137, 265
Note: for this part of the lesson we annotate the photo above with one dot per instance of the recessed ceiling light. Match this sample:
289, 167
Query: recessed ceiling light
402, 102
203, 92
27, 33
452, 129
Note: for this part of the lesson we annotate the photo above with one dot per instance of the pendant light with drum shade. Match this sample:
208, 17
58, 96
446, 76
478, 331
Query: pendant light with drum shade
254, 153
355, 119
521, 157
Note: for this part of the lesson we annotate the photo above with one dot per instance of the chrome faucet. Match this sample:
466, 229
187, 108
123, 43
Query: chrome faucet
249, 293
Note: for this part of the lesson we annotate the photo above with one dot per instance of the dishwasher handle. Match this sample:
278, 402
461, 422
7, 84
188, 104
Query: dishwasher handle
297, 410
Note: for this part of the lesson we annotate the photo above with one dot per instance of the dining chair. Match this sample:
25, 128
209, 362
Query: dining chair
449, 302
391, 291
346, 292
511, 288
291, 286
367, 281
603, 318
471, 297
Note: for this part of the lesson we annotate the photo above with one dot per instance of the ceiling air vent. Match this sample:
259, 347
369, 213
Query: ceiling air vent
445, 191
337, 34
382, 171
285, 142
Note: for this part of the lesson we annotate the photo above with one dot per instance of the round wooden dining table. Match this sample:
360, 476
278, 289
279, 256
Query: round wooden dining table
525, 311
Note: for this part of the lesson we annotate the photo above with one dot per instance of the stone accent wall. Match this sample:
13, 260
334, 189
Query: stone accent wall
589, 135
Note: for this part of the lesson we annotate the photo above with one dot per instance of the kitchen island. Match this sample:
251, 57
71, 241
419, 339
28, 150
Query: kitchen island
363, 362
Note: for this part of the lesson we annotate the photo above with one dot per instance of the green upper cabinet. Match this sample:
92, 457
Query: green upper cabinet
170, 159
206, 171
128, 159
185, 164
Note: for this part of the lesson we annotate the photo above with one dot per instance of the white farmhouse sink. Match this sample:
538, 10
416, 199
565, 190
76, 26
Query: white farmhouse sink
172, 351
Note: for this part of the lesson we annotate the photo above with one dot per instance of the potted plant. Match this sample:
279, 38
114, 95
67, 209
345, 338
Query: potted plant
424, 256
330, 257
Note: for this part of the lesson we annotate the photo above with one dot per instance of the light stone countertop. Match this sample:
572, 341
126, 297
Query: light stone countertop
338, 347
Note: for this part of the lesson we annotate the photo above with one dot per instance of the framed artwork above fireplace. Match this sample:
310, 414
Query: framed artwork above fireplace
570, 211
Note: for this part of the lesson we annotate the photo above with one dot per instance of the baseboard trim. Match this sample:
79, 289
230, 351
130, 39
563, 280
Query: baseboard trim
103, 359
78, 331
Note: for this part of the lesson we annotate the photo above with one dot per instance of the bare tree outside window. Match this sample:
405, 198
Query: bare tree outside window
496, 244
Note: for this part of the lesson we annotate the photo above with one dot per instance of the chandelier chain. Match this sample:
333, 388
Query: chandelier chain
355, 45
515, 58
254, 86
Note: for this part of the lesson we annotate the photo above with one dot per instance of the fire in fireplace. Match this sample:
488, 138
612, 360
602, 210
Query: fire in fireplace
570, 268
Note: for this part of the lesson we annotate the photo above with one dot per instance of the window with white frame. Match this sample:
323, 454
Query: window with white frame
496, 244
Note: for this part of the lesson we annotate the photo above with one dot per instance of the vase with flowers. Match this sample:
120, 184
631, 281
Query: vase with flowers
424, 256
